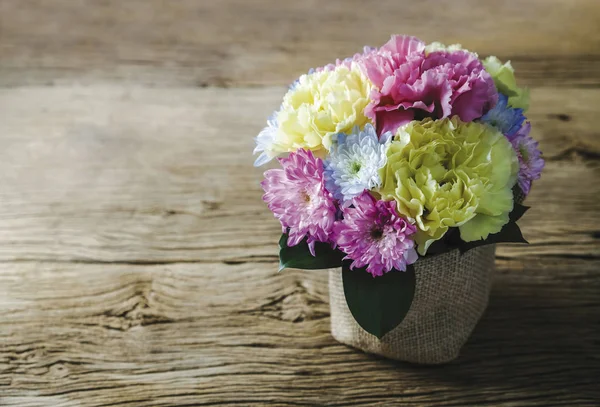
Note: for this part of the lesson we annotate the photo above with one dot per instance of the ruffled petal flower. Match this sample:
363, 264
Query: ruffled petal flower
472, 89
354, 163
412, 82
530, 158
297, 196
381, 64
448, 173
372, 234
505, 81
315, 108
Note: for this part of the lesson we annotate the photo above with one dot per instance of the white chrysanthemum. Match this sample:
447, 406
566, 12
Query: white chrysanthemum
354, 162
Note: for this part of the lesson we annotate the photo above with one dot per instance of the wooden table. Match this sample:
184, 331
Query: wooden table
138, 264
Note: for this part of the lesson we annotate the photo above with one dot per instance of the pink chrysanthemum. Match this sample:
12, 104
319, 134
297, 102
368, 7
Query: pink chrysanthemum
297, 197
372, 234
531, 162
413, 85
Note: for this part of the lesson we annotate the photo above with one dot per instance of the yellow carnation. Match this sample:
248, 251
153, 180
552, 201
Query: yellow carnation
504, 78
447, 173
320, 105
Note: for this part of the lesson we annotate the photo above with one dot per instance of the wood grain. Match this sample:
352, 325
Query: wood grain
189, 334
266, 42
138, 262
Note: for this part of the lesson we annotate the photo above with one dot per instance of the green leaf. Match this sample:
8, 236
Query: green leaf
439, 246
299, 256
510, 233
379, 304
517, 212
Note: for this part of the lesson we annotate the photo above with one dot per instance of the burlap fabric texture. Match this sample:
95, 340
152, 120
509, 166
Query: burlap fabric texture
451, 294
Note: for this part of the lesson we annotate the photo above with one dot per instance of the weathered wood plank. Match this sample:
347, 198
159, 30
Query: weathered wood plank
233, 42
215, 333
202, 334
137, 261
159, 175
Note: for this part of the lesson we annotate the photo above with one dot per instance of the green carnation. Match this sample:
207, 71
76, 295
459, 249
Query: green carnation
448, 173
505, 81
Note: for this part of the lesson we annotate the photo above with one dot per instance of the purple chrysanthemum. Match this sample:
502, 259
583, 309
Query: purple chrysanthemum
297, 197
372, 234
530, 157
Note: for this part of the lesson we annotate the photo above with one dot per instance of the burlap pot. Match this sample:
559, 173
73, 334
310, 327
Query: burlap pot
451, 294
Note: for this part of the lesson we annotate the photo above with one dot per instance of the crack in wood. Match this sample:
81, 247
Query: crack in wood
295, 306
139, 313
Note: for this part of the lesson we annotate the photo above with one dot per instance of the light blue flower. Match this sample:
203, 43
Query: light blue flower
506, 119
354, 162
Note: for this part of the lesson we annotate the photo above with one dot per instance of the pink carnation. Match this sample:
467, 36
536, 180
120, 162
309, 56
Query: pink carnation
411, 85
372, 234
297, 197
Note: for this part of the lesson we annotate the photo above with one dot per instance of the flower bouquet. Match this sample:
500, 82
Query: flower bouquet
402, 166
